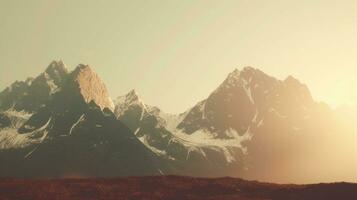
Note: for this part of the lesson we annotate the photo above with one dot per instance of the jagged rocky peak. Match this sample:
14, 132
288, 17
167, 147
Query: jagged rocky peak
131, 99
292, 82
251, 72
294, 87
57, 70
91, 87
17, 85
233, 77
246, 72
242, 77
234, 73
52, 78
132, 96
30, 94
57, 66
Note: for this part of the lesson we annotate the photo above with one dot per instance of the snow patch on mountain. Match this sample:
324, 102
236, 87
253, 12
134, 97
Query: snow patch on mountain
247, 90
206, 139
80, 119
195, 142
17, 118
10, 138
172, 120
158, 152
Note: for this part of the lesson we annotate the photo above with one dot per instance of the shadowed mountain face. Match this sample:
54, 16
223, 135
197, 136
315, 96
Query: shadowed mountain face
64, 124
74, 134
185, 156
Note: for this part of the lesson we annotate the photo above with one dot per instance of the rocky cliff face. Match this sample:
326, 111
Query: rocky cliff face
89, 85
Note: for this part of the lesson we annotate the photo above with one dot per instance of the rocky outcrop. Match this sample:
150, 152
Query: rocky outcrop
31, 94
89, 85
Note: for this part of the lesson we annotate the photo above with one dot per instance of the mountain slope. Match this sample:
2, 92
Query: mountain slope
75, 134
244, 99
246, 128
196, 156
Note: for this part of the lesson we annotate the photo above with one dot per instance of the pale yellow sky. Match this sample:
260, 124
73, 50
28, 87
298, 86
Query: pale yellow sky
175, 52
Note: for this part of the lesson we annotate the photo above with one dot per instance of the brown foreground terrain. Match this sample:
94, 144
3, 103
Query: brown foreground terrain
169, 187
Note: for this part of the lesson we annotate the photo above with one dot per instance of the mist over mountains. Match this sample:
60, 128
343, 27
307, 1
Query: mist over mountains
65, 124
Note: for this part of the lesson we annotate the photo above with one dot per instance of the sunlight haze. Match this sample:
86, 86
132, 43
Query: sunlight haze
175, 53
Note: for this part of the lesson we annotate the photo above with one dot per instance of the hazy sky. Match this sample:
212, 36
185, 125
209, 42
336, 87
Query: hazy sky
175, 52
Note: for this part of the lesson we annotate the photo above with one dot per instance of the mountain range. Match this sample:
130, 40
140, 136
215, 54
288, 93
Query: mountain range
65, 124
